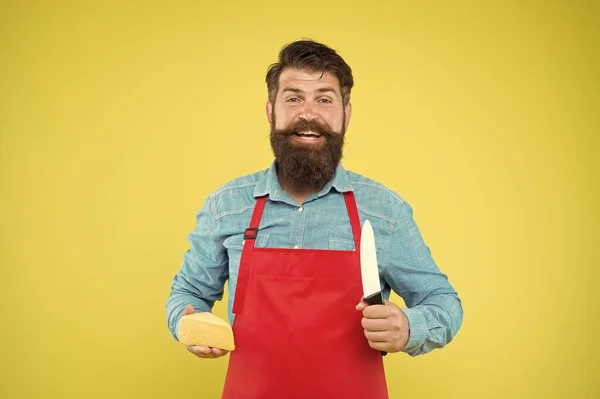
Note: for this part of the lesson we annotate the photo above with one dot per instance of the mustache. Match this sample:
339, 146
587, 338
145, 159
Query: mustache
304, 126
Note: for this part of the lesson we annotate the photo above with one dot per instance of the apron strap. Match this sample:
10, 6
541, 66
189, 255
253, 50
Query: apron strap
246, 259
354, 219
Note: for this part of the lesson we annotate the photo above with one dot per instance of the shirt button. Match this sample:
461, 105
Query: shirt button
300, 209
295, 247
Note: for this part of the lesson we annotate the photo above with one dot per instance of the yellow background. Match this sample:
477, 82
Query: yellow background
117, 119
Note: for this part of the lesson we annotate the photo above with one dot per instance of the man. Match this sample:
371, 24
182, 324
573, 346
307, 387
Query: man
286, 240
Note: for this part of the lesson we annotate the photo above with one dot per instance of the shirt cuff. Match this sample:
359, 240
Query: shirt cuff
419, 330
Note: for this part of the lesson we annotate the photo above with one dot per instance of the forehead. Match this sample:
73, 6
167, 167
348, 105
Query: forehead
308, 80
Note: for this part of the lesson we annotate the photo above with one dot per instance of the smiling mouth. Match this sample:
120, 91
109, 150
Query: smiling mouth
308, 135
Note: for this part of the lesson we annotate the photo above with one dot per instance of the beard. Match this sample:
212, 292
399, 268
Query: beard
306, 166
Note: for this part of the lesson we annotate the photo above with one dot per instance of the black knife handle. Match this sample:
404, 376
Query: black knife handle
375, 299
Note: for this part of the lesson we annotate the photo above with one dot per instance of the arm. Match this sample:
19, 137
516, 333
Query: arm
201, 278
434, 310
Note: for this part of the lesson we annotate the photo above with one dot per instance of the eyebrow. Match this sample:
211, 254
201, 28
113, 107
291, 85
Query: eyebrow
299, 91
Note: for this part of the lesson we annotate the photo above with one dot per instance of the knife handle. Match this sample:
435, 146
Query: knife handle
375, 299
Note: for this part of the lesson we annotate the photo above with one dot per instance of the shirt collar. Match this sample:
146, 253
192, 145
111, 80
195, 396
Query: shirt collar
269, 184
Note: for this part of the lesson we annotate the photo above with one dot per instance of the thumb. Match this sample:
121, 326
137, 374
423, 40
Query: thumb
361, 305
189, 309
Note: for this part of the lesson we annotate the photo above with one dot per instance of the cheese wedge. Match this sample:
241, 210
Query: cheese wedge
205, 329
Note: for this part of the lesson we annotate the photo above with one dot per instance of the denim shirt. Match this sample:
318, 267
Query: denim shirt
434, 310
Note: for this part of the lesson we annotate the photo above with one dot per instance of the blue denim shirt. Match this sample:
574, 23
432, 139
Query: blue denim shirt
434, 310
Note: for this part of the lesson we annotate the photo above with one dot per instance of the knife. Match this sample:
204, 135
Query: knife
369, 271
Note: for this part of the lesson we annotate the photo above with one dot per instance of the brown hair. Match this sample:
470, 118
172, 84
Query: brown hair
313, 57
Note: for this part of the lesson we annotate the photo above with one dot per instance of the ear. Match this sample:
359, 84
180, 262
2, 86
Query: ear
269, 109
347, 114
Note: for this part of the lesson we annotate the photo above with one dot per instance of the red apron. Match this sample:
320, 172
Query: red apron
297, 332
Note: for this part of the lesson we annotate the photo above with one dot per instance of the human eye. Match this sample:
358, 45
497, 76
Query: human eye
325, 100
293, 100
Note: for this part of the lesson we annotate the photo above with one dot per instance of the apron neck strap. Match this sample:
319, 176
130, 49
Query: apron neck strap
245, 261
354, 219
251, 231
258, 210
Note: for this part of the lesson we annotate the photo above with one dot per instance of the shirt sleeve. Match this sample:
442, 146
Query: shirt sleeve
434, 310
203, 273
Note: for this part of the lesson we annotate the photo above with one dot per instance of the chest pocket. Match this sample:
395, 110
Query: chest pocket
236, 242
341, 244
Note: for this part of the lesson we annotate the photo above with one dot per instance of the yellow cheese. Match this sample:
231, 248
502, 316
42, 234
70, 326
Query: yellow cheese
205, 329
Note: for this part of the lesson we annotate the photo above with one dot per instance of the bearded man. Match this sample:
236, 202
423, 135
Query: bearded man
286, 241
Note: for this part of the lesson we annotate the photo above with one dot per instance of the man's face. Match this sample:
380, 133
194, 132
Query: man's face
309, 96
308, 123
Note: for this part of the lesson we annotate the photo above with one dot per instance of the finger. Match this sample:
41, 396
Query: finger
198, 350
380, 346
189, 309
375, 324
378, 311
377, 336
361, 305
215, 353
197, 353
211, 355
219, 352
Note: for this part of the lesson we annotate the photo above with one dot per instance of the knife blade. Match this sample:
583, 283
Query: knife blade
369, 271
368, 266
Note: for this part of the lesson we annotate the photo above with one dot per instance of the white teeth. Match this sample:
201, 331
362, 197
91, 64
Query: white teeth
310, 133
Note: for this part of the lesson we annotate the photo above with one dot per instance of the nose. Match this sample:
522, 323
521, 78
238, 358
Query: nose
308, 112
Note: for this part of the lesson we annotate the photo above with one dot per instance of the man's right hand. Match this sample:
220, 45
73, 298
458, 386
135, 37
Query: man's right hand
204, 352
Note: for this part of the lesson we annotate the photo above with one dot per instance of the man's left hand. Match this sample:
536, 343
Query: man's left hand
386, 326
